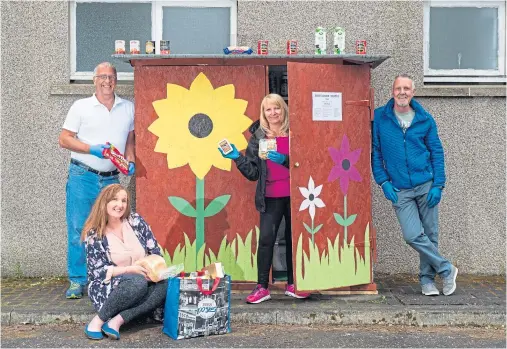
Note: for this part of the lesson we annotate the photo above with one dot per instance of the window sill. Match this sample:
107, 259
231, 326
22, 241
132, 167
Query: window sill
461, 91
126, 90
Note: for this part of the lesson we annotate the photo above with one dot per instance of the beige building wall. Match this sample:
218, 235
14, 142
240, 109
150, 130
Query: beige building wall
36, 96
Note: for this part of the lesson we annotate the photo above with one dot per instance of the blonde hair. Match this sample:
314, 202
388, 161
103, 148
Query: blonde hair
277, 100
97, 220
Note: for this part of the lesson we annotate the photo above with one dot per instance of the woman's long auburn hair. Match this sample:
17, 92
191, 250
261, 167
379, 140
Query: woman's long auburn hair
97, 220
278, 100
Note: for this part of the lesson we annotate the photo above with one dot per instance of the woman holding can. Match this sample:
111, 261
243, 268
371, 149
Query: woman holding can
272, 196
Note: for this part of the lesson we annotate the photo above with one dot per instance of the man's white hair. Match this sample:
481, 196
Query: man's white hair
405, 76
104, 65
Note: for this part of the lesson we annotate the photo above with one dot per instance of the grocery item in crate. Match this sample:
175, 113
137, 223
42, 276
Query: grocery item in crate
234, 50
112, 153
266, 145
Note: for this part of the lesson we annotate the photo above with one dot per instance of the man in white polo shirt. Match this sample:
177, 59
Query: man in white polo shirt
90, 123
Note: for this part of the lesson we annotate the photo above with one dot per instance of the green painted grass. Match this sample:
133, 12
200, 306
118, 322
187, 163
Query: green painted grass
236, 257
326, 270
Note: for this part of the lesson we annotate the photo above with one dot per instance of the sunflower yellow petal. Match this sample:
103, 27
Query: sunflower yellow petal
238, 140
176, 158
176, 92
224, 93
199, 168
201, 90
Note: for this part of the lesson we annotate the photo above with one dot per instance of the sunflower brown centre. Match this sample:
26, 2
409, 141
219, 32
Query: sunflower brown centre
200, 125
345, 164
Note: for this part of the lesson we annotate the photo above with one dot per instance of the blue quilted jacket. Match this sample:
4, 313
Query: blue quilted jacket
406, 159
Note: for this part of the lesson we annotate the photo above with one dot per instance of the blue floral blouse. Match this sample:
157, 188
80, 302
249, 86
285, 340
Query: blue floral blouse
98, 259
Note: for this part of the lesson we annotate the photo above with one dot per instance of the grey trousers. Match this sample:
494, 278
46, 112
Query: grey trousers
134, 296
419, 225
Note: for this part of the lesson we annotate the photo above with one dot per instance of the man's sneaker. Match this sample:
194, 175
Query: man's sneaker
75, 291
429, 289
449, 282
290, 290
258, 295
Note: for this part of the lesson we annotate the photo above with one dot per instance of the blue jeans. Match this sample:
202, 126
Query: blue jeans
419, 225
82, 189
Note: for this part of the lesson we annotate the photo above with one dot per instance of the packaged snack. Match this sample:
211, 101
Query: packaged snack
225, 146
116, 158
292, 47
262, 47
360, 47
215, 270
266, 145
156, 268
237, 50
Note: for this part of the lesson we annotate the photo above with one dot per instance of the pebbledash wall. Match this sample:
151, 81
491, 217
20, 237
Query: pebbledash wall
36, 96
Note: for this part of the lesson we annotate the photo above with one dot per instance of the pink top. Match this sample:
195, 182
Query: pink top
278, 178
124, 253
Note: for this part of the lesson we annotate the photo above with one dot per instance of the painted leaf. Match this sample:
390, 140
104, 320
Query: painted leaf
350, 220
317, 228
308, 229
339, 219
216, 205
183, 206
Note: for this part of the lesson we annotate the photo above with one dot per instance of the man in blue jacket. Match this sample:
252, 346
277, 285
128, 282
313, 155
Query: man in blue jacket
408, 163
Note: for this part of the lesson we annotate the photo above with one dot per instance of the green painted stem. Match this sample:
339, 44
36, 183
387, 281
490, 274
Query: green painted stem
313, 235
199, 217
345, 242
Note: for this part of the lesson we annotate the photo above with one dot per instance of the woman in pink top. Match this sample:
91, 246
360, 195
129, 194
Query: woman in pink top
115, 239
272, 196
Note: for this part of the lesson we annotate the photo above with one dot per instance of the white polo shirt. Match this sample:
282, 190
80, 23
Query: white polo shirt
94, 124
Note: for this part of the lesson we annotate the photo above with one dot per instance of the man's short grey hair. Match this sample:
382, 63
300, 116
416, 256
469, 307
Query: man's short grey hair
104, 65
405, 76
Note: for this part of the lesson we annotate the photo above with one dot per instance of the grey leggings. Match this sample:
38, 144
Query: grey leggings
134, 296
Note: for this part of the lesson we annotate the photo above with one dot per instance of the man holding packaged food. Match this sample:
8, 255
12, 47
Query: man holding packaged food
90, 124
408, 163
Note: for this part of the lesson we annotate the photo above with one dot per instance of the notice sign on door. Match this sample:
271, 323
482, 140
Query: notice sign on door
327, 106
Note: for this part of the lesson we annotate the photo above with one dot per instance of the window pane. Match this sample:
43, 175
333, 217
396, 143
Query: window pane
463, 38
98, 25
196, 30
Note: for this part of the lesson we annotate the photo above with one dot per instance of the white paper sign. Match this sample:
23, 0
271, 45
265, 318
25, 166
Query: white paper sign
327, 106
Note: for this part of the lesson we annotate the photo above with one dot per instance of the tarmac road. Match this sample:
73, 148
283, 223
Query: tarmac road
261, 336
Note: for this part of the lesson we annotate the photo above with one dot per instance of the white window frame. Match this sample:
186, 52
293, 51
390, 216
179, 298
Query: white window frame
465, 75
156, 26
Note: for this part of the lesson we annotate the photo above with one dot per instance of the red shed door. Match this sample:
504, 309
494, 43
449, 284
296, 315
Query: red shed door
330, 175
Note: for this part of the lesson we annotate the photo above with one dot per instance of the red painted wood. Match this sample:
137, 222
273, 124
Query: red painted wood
309, 147
155, 182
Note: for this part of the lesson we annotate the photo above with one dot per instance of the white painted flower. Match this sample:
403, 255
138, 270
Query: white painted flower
311, 198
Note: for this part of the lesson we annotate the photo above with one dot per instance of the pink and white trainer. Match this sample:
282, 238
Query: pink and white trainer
258, 295
290, 290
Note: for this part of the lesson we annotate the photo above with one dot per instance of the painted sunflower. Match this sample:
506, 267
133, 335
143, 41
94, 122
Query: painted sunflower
191, 123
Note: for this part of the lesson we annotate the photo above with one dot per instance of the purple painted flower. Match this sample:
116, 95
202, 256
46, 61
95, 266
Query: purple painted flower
344, 169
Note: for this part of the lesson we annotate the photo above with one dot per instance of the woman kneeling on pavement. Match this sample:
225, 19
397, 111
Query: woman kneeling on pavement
272, 197
115, 239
